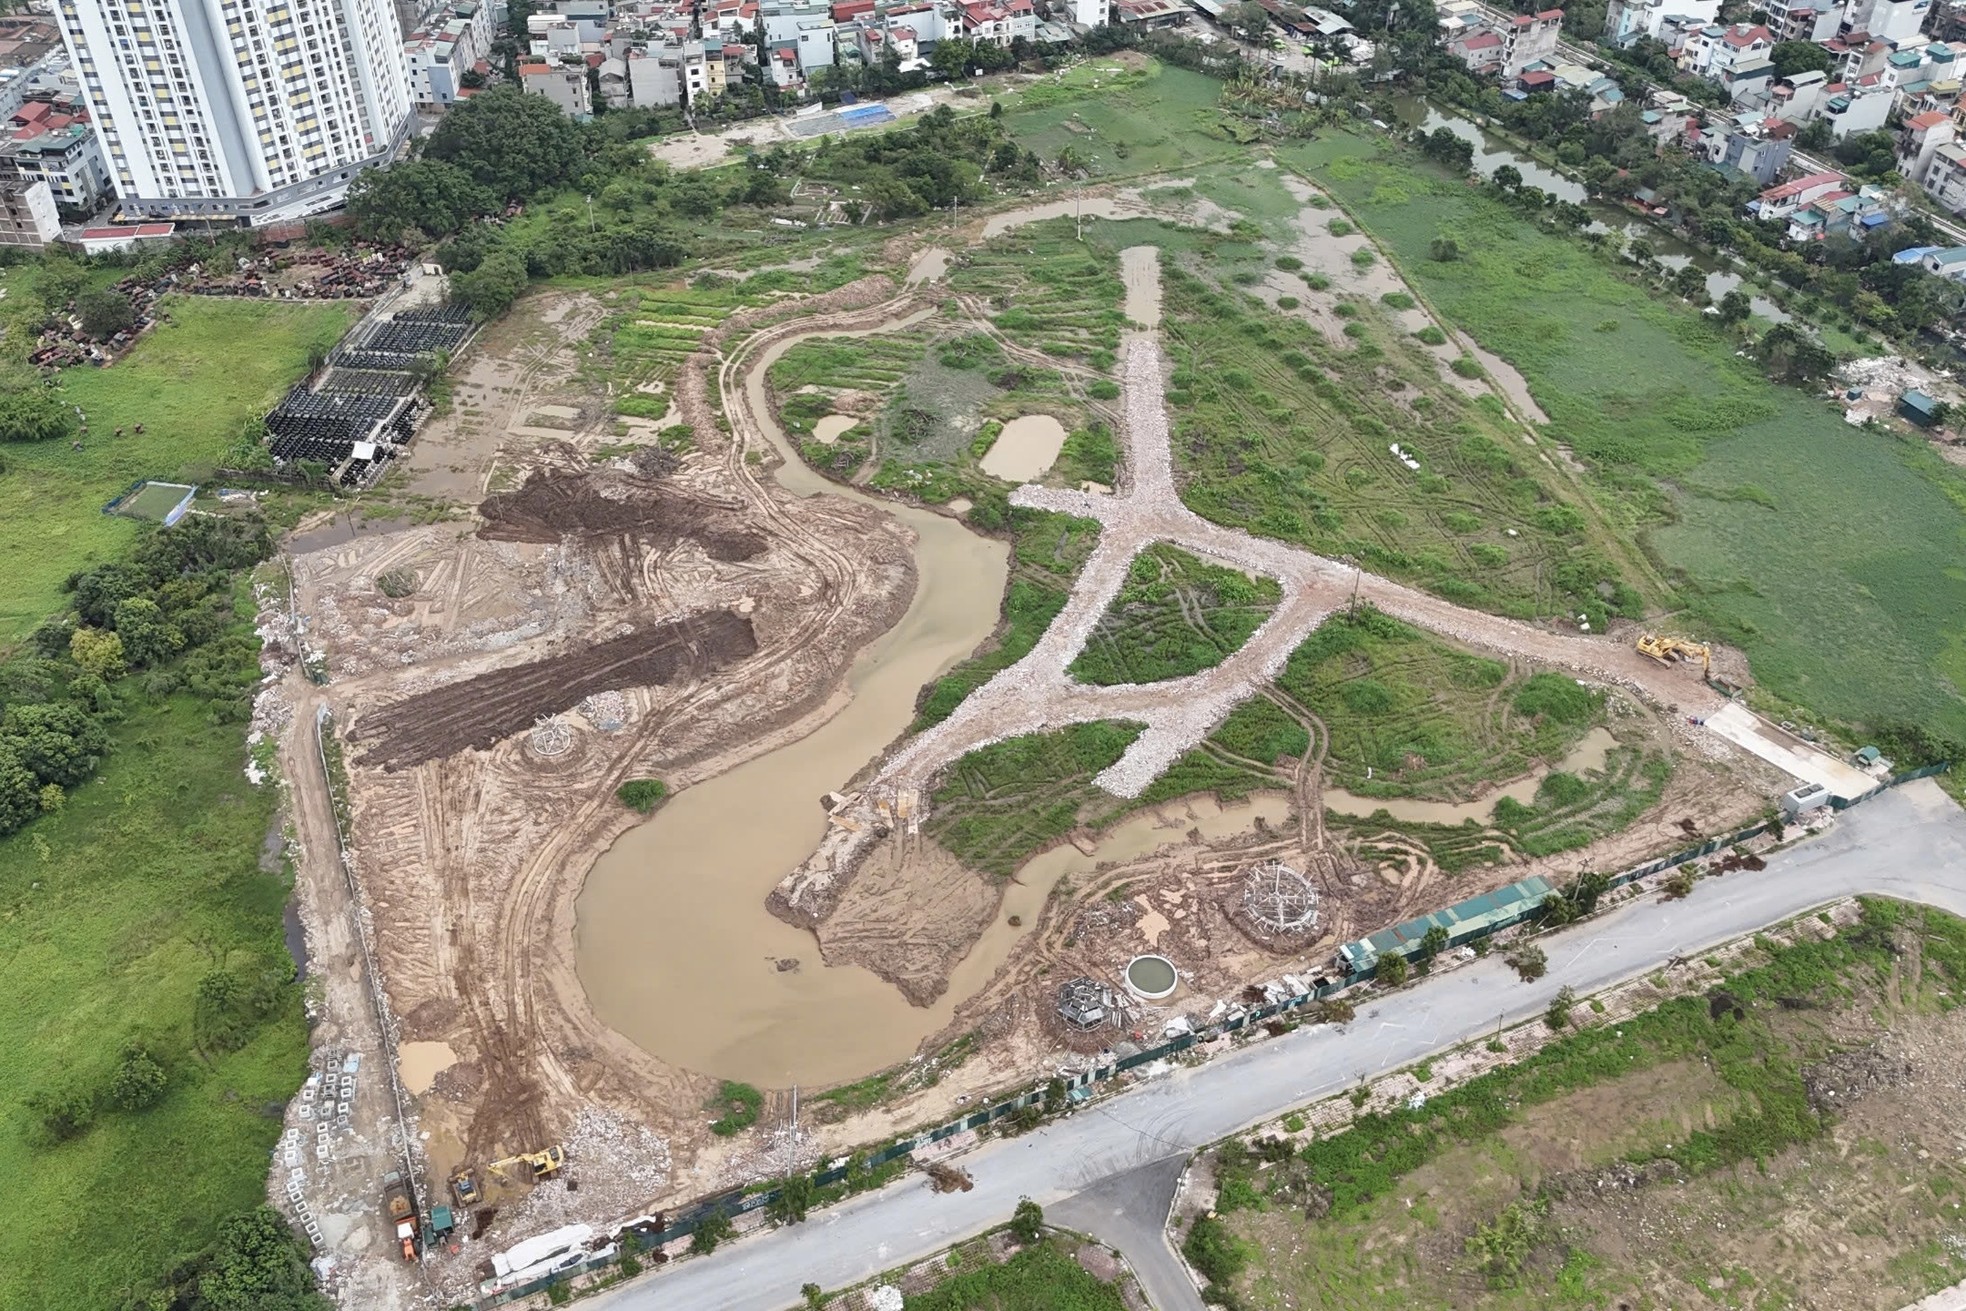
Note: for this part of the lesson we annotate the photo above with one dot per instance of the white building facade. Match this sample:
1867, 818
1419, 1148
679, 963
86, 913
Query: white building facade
257, 111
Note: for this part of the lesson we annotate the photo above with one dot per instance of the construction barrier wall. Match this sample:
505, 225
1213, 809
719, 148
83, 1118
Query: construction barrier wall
685, 1223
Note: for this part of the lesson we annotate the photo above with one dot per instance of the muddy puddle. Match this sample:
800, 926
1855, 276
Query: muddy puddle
830, 426
419, 1064
1026, 447
1586, 757
673, 942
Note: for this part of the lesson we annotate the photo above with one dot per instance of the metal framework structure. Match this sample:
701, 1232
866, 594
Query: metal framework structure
1085, 1004
1278, 898
549, 738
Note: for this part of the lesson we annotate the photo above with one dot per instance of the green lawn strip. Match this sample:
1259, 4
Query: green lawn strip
1043, 1277
1049, 550
143, 886
1806, 541
1001, 804
195, 384
1176, 615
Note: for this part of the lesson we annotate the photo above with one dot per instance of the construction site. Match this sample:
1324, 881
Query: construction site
548, 1014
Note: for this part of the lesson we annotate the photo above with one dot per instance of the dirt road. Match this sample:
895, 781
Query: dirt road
1037, 694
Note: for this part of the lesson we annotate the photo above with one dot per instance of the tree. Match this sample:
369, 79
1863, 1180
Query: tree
1432, 943
1444, 250
58, 740
148, 638
712, 1230
814, 1295
425, 195
98, 653
1027, 1222
139, 1081
1508, 177
510, 143
642, 794
34, 414
1735, 308
105, 312
1792, 57
1558, 1015
796, 1195
489, 290
20, 798
1249, 21
258, 1265
1691, 283
1392, 969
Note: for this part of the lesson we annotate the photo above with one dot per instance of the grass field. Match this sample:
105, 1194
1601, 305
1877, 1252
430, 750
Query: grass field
1830, 554
1000, 805
116, 910
1044, 1277
195, 384
1125, 123
1177, 615
1753, 1187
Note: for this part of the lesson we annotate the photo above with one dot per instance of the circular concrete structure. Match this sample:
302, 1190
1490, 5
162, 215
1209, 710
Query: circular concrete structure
1151, 978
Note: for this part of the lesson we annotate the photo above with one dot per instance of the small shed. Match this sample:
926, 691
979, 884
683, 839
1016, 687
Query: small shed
1867, 756
1808, 797
1918, 408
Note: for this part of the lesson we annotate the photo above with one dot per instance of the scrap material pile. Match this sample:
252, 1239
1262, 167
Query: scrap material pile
361, 273
64, 341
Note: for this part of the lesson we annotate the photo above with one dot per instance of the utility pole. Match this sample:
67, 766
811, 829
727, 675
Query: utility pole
1078, 209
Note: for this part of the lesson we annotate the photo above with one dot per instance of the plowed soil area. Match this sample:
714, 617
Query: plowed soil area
551, 507
479, 711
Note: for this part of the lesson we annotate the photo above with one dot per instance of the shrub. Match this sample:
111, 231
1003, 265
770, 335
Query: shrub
1317, 282
642, 794
1216, 1253
1340, 228
1432, 336
711, 1231
740, 1103
1288, 302
1103, 389
1558, 1015
1392, 969
1362, 258
1399, 300
1556, 697
139, 1081
1529, 961
1027, 1222
1293, 1123
1289, 262
1467, 366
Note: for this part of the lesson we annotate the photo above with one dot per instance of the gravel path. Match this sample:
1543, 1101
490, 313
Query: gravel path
1036, 694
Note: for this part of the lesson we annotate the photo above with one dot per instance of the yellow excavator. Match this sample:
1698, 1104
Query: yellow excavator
1668, 650
539, 1165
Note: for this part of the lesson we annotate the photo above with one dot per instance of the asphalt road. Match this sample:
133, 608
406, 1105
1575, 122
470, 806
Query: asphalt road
1909, 843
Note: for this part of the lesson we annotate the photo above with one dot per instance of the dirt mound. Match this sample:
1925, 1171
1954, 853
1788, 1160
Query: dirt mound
477, 712
553, 506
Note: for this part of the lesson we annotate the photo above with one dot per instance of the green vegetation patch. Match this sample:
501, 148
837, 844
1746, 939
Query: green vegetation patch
138, 923
1488, 1194
1286, 435
1177, 615
1801, 578
642, 794
1042, 1277
198, 385
1003, 803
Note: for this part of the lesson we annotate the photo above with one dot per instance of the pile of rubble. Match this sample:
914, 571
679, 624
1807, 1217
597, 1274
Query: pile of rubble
64, 343
360, 273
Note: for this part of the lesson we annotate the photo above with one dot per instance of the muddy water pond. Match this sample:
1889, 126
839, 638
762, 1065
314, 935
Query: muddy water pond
830, 426
421, 1063
1026, 447
673, 943
1586, 757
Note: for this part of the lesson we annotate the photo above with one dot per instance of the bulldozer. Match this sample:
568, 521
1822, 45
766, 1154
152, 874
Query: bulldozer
1668, 650
465, 1189
538, 1165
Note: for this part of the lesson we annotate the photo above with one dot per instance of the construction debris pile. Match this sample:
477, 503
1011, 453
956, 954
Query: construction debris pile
360, 273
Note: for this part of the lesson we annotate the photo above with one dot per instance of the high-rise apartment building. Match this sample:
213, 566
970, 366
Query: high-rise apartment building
255, 110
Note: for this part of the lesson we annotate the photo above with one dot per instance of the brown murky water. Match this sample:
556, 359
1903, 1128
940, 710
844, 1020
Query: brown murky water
1025, 448
1584, 758
673, 942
